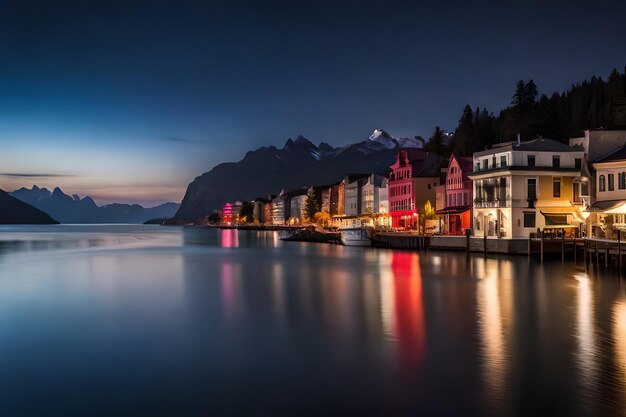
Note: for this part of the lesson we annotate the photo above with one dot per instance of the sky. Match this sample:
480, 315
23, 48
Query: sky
129, 101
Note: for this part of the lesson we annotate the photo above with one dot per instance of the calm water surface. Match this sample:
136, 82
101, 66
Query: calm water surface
144, 320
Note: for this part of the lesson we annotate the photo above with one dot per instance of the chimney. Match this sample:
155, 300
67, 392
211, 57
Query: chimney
518, 139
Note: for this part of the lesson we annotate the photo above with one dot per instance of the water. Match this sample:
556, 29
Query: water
146, 320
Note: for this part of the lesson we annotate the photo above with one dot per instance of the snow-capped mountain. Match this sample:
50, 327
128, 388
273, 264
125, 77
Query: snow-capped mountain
299, 163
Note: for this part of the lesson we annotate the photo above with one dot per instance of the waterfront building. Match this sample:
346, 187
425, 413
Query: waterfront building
227, 213
297, 203
267, 212
281, 208
366, 201
598, 145
455, 196
325, 199
336, 199
608, 211
412, 182
520, 187
236, 209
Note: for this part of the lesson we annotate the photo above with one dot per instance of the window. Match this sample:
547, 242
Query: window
465, 199
556, 161
621, 184
531, 189
477, 166
493, 162
529, 219
485, 163
578, 163
531, 160
611, 182
503, 161
602, 183
556, 187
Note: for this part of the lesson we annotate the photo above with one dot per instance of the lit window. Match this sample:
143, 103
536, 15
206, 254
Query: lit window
602, 183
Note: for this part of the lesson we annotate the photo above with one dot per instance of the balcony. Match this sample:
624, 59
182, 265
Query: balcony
493, 203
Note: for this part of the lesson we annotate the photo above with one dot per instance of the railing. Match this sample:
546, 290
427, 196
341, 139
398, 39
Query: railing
481, 167
496, 203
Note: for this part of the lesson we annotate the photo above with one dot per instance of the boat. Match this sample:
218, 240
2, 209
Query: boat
356, 236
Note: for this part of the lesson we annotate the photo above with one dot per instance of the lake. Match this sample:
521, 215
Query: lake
115, 320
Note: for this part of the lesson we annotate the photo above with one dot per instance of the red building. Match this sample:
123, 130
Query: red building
454, 196
412, 182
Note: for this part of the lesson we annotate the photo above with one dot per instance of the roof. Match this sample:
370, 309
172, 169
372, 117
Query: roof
424, 164
535, 145
466, 163
600, 206
618, 155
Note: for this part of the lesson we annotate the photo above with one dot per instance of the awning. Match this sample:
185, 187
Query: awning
454, 210
607, 206
558, 219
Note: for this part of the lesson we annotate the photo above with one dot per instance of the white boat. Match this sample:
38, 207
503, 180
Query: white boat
356, 236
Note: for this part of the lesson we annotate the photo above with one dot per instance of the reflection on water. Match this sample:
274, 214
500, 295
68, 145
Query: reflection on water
587, 353
146, 320
494, 316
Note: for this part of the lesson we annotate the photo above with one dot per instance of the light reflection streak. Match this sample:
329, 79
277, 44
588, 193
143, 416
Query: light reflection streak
408, 310
619, 338
493, 313
230, 280
229, 238
585, 335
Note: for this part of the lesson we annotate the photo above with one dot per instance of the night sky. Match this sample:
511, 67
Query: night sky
129, 101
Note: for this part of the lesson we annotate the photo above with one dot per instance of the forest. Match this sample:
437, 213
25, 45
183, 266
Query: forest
595, 103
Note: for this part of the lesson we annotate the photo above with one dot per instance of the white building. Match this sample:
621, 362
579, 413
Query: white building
522, 187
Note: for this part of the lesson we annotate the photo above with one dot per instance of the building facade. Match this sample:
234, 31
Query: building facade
522, 187
412, 182
455, 196
608, 211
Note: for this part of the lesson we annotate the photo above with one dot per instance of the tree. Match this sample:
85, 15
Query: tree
464, 133
529, 92
214, 217
322, 218
312, 204
520, 93
429, 211
436, 143
246, 214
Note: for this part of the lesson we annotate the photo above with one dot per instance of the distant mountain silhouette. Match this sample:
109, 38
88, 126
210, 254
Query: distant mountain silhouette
14, 211
299, 163
73, 209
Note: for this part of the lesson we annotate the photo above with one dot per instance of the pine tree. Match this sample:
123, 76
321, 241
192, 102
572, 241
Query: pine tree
436, 143
529, 92
464, 133
520, 91
312, 204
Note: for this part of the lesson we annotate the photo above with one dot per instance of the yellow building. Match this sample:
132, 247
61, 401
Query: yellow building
520, 187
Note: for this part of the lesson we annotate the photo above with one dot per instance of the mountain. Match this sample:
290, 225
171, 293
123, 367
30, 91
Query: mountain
14, 211
73, 209
299, 163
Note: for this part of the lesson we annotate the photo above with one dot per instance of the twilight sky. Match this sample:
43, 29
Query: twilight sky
130, 100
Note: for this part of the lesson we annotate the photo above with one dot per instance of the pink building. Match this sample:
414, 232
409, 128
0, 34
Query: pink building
412, 182
454, 196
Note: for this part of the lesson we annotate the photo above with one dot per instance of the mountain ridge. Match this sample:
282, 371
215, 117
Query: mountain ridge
14, 211
299, 163
73, 209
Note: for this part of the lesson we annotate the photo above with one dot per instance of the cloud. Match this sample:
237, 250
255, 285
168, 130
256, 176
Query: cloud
33, 175
182, 140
